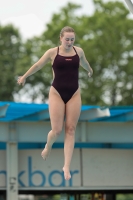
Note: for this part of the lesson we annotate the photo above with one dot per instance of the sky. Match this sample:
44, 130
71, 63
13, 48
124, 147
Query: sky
31, 16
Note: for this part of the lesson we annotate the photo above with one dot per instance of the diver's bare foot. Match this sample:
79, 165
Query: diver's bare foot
67, 174
45, 153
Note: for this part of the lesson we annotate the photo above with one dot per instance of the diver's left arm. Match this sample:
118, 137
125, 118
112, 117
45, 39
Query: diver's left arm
85, 64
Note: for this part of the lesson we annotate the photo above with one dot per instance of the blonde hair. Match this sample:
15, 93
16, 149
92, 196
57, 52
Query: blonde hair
66, 29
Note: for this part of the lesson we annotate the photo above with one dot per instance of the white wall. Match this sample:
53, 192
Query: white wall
104, 168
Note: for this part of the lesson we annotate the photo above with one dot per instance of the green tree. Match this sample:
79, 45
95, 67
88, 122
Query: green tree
124, 197
10, 43
38, 84
107, 41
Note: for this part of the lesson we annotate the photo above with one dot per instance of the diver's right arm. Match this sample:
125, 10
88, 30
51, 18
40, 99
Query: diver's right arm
36, 67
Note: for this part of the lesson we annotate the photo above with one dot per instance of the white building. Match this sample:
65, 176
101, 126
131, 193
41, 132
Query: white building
102, 160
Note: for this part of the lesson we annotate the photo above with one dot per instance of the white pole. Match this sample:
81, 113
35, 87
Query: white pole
130, 5
12, 171
12, 163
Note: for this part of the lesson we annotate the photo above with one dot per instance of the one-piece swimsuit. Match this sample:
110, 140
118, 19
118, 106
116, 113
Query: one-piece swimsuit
66, 73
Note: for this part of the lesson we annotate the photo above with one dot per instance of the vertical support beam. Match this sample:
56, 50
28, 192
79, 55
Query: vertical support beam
12, 171
12, 164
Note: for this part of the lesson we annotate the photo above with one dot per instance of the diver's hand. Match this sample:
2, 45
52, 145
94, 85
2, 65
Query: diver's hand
21, 80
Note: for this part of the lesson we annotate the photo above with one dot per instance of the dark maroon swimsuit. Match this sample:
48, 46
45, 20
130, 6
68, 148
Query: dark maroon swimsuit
66, 75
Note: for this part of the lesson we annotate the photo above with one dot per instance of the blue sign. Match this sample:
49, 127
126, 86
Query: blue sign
45, 178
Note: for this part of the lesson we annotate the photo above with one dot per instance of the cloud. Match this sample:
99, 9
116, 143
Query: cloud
29, 25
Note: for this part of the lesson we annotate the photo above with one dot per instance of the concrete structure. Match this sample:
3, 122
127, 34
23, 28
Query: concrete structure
102, 160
